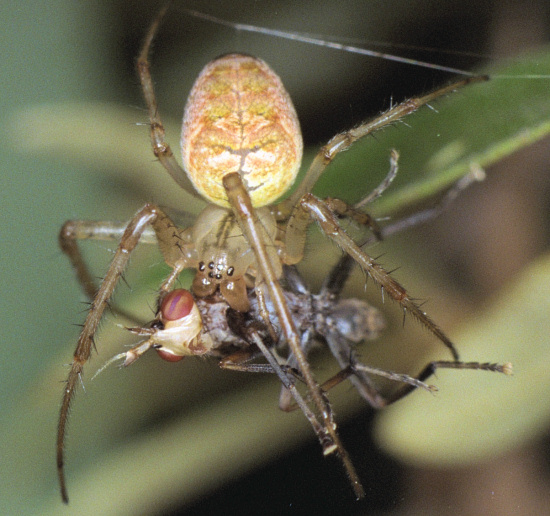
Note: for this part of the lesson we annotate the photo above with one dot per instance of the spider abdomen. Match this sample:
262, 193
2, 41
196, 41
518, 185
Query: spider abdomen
239, 118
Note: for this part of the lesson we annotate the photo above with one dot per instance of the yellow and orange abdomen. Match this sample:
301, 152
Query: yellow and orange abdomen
239, 118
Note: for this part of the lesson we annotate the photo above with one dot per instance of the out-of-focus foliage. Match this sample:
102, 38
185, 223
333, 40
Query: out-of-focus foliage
476, 417
143, 437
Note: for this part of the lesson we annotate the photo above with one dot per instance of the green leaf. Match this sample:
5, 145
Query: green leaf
476, 416
476, 126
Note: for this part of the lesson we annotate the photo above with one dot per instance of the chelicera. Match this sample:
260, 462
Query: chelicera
241, 150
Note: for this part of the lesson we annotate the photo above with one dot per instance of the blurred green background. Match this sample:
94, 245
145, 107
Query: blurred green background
157, 437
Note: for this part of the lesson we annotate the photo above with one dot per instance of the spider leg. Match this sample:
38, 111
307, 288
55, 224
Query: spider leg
137, 228
367, 389
359, 374
245, 215
341, 347
326, 433
74, 230
344, 353
311, 206
343, 209
285, 397
337, 277
409, 383
239, 361
264, 313
335, 281
343, 141
161, 148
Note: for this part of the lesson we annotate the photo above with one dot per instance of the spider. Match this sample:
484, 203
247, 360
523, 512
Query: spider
241, 149
185, 325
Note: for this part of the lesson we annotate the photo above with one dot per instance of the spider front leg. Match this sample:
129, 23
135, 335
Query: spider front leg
361, 322
310, 207
137, 229
238, 361
241, 204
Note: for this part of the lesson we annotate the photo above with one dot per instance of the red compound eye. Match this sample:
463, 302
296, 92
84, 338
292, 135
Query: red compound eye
176, 305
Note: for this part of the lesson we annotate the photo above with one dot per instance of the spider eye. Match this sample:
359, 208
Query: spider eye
176, 305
